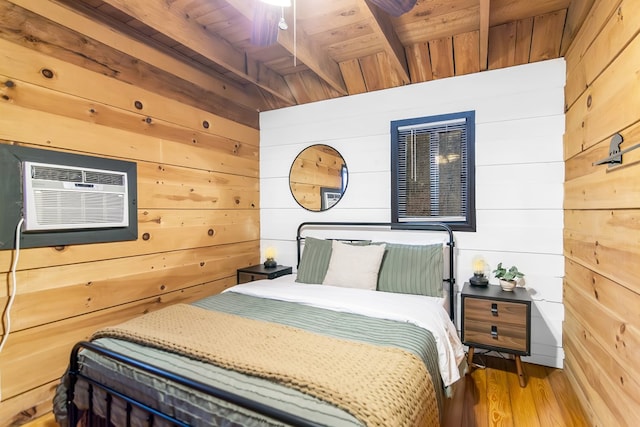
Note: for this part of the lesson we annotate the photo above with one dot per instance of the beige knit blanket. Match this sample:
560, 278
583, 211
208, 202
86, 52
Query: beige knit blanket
381, 386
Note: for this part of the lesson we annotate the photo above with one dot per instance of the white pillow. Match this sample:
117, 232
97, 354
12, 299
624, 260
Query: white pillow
353, 266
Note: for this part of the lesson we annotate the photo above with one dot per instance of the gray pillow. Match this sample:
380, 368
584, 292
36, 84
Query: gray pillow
315, 258
412, 269
354, 266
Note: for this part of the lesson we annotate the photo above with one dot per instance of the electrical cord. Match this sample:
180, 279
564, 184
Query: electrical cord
12, 295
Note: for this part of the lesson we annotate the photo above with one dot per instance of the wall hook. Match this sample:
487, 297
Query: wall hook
615, 154
615, 157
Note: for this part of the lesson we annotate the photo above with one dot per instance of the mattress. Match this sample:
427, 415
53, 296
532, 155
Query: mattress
424, 311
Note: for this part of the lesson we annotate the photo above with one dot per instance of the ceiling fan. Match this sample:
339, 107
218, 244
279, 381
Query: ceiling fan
268, 17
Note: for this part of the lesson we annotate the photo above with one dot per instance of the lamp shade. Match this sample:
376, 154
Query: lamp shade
270, 252
282, 3
478, 264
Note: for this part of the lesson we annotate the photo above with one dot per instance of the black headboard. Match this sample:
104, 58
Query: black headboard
436, 226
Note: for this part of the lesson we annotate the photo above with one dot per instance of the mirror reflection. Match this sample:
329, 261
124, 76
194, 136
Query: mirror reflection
318, 177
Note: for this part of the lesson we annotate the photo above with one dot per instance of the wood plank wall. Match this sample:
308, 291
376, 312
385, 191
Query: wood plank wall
602, 213
198, 199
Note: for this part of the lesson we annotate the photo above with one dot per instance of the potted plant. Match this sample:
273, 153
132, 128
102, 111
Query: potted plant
508, 278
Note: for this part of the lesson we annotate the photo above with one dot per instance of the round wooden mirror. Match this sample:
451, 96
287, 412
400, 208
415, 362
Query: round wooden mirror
318, 177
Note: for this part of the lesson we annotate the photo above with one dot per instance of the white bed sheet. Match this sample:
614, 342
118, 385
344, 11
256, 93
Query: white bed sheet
423, 311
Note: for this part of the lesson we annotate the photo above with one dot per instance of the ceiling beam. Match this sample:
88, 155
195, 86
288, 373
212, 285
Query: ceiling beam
302, 48
310, 54
84, 20
173, 22
485, 7
385, 32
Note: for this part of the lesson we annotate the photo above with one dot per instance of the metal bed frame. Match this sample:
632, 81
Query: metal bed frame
74, 373
435, 226
75, 415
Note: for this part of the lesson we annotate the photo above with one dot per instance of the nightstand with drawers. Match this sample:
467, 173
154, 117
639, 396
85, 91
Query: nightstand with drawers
259, 272
494, 319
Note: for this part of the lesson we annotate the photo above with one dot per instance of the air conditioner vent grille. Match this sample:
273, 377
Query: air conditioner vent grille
92, 177
56, 174
78, 208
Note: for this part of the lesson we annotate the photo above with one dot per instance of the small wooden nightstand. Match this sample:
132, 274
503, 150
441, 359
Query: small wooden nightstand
498, 320
258, 272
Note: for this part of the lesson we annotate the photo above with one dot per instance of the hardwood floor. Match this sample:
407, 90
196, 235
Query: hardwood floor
492, 396
44, 421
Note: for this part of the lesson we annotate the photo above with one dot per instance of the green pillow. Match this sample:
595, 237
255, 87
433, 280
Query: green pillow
314, 261
412, 269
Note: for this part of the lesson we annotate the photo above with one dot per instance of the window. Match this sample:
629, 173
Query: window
433, 171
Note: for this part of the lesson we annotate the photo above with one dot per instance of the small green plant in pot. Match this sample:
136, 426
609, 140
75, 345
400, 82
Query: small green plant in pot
508, 278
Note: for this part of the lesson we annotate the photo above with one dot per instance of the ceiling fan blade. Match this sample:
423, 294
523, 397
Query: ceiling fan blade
395, 7
264, 31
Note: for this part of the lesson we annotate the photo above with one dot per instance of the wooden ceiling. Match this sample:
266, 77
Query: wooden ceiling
337, 48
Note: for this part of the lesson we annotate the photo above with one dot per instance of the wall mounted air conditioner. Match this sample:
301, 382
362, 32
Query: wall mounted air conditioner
58, 197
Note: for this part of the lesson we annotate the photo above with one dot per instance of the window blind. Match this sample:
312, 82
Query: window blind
432, 171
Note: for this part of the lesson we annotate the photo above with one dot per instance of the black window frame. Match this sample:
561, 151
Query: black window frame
469, 224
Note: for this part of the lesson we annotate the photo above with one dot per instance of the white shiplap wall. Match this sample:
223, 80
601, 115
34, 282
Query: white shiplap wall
519, 173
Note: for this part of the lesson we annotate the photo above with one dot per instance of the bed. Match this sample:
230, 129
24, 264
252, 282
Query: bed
362, 334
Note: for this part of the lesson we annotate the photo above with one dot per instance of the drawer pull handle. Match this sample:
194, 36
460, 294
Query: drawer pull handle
494, 309
494, 332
